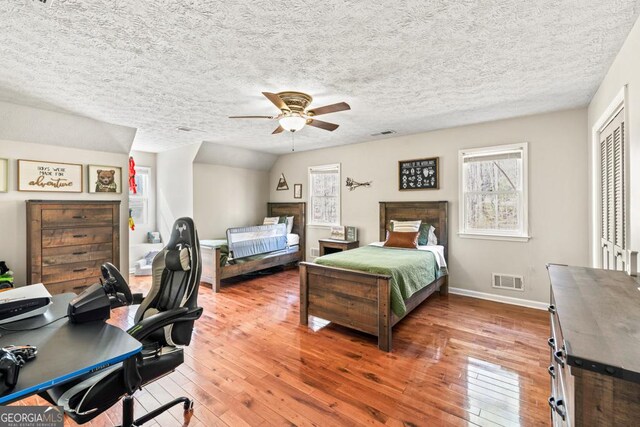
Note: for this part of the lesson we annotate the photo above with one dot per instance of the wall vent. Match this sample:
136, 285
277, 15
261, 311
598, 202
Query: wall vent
508, 281
384, 132
315, 252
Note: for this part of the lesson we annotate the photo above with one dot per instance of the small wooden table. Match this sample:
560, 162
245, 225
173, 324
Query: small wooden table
329, 246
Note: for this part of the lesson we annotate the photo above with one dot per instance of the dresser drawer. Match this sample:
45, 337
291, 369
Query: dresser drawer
77, 253
76, 236
78, 270
71, 217
75, 286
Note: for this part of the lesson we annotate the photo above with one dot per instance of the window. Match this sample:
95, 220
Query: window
493, 192
324, 194
139, 202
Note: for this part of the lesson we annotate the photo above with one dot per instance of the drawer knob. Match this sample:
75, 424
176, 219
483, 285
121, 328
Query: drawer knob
77, 270
78, 236
552, 309
558, 356
79, 253
79, 217
552, 371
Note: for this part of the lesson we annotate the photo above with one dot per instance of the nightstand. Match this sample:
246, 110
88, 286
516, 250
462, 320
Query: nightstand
329, 246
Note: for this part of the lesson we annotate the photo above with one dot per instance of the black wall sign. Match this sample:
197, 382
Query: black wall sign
419, 174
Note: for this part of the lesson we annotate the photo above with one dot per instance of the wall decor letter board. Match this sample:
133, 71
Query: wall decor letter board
419, 174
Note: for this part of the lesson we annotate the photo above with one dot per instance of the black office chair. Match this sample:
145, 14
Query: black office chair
164, 322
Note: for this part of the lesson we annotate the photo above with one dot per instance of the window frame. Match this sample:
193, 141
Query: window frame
143, 199
328, 167
521, 235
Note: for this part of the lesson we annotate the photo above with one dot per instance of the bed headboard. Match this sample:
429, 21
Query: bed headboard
435, 213
299, 213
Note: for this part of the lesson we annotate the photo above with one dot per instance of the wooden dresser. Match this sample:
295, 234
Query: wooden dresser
68, 241
595, 347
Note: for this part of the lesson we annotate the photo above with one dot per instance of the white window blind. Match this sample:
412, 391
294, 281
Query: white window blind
139, 202
493, 192
324, 194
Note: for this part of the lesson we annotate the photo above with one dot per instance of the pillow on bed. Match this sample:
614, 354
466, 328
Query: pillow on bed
402, 239
287, 220
271, 220
427, 235
405, 226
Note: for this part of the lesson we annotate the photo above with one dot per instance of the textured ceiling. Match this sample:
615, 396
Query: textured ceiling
410, 66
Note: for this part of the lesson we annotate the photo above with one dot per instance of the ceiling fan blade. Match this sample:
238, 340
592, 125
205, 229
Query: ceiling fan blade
333, 108
251, 117
322, 125
276, 100
279, 129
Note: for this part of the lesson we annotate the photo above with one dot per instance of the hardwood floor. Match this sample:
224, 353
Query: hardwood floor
456, 361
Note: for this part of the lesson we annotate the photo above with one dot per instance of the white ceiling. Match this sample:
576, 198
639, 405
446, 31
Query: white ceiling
410, 66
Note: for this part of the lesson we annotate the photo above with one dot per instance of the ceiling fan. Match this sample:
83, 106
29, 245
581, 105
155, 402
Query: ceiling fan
294, 114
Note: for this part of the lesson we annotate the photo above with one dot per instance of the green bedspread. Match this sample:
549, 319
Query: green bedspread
410, 269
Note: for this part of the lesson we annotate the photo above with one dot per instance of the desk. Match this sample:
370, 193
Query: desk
66, 351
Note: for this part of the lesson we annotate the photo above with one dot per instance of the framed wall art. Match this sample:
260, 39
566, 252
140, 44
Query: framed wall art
297, 191
104, 179
4, 175
35, 175
419, 174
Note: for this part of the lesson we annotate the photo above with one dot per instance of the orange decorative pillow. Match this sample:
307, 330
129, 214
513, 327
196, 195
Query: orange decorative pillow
399, 239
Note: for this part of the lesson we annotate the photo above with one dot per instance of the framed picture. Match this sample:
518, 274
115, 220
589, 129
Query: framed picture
4, 175
282, 183
34, 175
337, 232
418, 174
351, 233
104, 179
297, 191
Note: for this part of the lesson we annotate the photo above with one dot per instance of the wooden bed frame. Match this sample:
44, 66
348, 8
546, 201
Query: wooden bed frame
360, 300
217, 273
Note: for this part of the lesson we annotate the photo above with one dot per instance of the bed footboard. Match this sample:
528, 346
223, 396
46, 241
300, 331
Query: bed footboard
354, 299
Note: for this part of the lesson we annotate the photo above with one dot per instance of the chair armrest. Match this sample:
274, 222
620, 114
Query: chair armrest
137, 299
147, 326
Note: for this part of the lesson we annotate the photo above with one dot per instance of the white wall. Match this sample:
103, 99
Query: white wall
625, 70
228, 197
13, 208
557, 194
174, 169
29, 124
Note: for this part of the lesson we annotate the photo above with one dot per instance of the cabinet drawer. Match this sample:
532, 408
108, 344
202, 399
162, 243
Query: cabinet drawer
78, 270
76, 236
75, 286
71, 217
77, 253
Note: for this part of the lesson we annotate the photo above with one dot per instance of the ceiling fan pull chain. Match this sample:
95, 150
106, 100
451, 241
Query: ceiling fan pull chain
293, 142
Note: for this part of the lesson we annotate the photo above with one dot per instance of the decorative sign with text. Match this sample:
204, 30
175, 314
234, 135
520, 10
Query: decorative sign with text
34, 175
419, 174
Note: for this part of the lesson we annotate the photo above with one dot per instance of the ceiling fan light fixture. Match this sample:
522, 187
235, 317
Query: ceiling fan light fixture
293, 122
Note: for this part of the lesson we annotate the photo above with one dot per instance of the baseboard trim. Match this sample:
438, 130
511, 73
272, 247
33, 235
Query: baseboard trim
499, 298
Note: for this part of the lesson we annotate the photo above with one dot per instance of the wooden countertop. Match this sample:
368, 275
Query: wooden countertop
599, 314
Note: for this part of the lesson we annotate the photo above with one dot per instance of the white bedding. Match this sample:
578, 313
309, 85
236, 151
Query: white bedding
293, 239
438, 251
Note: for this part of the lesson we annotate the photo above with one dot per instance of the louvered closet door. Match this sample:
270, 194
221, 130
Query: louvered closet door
612, 194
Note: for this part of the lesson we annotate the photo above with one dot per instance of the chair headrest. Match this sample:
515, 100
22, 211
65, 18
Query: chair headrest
183, 234
177, 259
